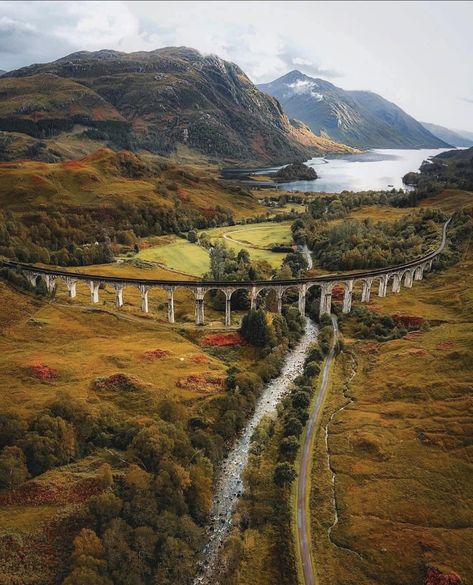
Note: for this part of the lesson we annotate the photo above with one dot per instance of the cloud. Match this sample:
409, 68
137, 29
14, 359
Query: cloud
385, 51
467, 100
293, 59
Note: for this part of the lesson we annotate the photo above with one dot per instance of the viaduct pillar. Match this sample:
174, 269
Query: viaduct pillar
396, 283
94, 291
144, 297
383, 286
365, 293
325, 299
279, 293
408, 279
71, 287
50, 280
170, 299
253, 295
199, 306
32, 278
118, 294
302, 298
418, 273
228, 306
347, 297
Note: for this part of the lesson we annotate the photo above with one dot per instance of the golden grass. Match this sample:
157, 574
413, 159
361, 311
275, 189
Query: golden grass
380, 213
401, 450
95, 180
83, 343
449, 200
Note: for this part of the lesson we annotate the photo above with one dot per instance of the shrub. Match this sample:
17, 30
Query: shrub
13, 470
284, 473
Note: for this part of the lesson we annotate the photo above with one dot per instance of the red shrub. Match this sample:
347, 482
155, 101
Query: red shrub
42, 372
201, 383
409, 322
338, 292
72, 164
199, 358
222, 339
435, 577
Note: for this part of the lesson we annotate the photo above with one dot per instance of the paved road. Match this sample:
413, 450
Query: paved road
303, 486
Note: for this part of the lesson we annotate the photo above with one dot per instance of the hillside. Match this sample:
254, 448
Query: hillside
58, 212
451, 169
361, 119
155, 101
453, 137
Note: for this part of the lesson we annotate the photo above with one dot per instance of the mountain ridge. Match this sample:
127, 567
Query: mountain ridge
155, 101
454, 137
362, 119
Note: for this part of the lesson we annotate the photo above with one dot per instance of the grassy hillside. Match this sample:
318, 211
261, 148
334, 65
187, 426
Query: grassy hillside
399, 440
84, 211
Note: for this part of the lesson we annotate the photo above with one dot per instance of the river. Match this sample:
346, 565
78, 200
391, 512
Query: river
376, 169
229, 480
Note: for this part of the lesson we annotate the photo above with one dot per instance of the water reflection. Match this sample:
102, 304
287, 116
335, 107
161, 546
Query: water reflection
372, 170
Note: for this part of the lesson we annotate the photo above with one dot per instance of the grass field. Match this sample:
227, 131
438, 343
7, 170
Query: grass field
449, 200
179, 254
401, 446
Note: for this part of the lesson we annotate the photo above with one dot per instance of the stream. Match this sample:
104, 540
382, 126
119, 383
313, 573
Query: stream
229, 483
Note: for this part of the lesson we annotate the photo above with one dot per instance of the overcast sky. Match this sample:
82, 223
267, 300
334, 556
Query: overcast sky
416, 54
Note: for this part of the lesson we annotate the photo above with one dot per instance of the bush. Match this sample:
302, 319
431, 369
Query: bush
284, 473
13, 470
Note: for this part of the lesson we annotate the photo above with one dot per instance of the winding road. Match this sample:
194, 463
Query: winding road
303, 535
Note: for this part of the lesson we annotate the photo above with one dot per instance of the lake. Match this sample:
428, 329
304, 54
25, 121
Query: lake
373, 170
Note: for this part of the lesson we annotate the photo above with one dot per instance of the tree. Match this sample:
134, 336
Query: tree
192, 236
176, 566
284, 473
105, 507
12, 427
290, 445
13, 470
292, 426
255, 328
312, 369
301, 400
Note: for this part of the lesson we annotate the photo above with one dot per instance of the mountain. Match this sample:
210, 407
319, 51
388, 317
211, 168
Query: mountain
453, 137
359, 118
155, 101
2, 71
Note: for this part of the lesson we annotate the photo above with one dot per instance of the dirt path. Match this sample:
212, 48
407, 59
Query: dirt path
303, 535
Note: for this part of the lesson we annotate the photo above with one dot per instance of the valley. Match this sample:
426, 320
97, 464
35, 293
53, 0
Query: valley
235, 326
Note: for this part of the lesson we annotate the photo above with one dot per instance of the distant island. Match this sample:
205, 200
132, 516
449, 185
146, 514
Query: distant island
295, 172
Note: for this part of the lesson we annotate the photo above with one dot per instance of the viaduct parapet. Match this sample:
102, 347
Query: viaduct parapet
392, 277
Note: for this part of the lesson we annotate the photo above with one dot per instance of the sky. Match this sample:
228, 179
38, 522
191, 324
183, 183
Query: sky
416, 54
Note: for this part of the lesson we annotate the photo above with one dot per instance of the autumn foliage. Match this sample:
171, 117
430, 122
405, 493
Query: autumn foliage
42, 372
222, 339
435, 577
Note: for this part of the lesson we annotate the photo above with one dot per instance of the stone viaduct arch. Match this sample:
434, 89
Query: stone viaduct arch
406, 273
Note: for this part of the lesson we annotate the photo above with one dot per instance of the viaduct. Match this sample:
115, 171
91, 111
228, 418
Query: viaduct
395, 276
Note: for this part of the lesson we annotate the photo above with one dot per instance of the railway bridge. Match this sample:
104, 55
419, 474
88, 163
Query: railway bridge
393, 277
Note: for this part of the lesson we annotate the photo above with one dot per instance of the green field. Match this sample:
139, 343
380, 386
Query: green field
179, 254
